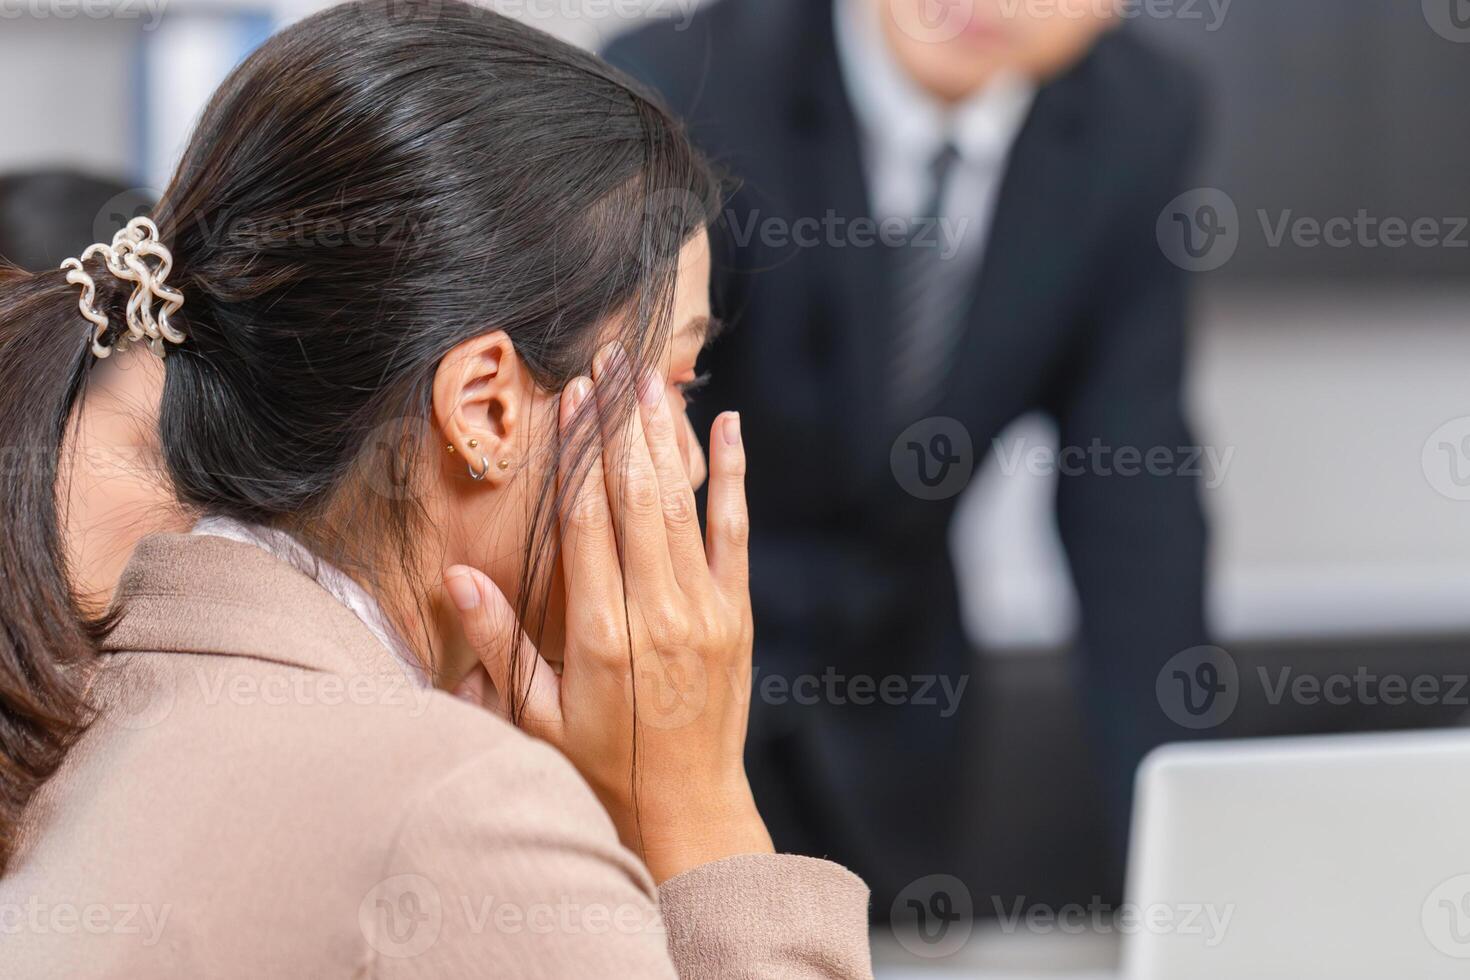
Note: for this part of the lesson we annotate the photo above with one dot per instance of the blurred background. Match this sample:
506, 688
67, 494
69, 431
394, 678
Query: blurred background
1334, 379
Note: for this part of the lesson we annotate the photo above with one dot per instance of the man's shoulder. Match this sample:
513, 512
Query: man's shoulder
1130, 77
679, 55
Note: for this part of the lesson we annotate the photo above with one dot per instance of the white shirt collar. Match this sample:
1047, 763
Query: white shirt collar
337, 582
898, 115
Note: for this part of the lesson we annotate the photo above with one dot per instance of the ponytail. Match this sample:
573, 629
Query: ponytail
45, 643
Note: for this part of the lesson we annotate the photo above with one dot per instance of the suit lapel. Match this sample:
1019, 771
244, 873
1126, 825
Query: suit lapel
1029, 274
850, 283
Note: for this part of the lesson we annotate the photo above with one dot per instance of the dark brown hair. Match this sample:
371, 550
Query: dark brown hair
373, 186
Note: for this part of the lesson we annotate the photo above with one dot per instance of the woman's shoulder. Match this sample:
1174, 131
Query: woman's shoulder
278, 787
339, 768
442, 739
486, 777
365, 749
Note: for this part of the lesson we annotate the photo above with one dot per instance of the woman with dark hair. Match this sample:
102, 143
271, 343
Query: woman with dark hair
429, 289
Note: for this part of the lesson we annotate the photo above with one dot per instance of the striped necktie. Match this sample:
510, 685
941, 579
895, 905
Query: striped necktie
930, 293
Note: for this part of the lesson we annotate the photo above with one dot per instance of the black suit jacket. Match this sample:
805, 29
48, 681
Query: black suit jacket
1075, 311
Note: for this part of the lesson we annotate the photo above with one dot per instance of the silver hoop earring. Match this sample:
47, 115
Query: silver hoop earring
484, 468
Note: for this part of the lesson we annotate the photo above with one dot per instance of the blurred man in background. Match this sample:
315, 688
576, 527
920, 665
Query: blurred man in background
946, 219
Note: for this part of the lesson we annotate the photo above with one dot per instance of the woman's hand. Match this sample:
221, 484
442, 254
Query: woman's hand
666, 628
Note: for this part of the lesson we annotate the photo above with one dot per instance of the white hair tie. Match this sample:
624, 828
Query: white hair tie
136, 256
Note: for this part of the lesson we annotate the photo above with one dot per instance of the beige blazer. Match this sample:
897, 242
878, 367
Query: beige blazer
266, 795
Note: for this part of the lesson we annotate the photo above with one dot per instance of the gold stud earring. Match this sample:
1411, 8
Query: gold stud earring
474, 444
449, 449
503, 464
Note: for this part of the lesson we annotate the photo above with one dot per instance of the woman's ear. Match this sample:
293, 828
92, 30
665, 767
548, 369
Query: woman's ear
481, 394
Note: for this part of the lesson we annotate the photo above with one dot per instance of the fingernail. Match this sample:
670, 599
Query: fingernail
650, 390
577, 393
462, 590
610, 358
732, 428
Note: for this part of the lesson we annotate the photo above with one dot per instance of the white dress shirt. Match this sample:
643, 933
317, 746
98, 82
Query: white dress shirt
904, 128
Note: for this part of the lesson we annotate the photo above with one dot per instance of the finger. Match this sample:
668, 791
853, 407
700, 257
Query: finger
728, 535
478, 688
627, 468
590, 568
514, 667
681, 515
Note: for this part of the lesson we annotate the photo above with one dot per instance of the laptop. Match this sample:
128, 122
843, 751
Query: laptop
1331, 858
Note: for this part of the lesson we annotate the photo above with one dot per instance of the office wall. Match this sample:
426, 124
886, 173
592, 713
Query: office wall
1328, 107
63, 100
1322, 107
